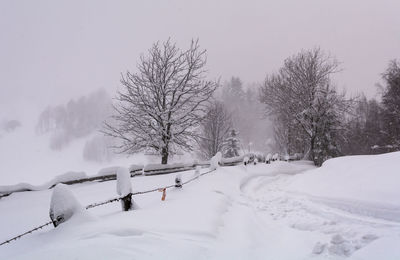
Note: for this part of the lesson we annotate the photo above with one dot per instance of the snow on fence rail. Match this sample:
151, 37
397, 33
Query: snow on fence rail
61, 214
109, 173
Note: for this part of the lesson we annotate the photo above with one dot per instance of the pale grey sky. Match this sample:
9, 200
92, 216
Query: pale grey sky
51, 51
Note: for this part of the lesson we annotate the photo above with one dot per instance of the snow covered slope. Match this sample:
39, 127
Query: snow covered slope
369, 183
232, 213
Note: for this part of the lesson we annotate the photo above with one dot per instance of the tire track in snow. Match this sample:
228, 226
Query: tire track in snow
345, 227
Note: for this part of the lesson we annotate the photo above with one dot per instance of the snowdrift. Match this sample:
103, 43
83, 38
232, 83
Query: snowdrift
372, 179
65, 177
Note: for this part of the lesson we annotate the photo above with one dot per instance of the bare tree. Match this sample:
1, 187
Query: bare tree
163, 102
302, 94
214, 129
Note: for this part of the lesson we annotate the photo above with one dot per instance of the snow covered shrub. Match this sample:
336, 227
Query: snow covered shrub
255, 161
124, 188
63, 205
246, 160
268, 158
178, 181
215, 161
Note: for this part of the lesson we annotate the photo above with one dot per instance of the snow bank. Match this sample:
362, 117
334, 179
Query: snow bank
366, 178
232, 160
63, 204
136, 169
65, 177
68, 176
124, 186
155, 169
108, 171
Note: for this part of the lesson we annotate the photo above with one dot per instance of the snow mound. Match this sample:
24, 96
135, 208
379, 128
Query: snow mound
68, 176
215, 161
63, 204
372, 179
124, 186
232, 160
65, 177
246, 160
108, 171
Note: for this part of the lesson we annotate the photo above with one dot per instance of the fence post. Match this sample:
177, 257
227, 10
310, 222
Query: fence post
126, 202
164, 193
178, 181
63, 205
124, 188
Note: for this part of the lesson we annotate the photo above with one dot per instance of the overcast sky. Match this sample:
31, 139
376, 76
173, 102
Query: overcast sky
51, 50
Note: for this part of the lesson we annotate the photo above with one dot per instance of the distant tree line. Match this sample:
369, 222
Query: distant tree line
78, 118
373, 126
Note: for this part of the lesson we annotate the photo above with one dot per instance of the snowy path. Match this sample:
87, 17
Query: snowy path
344, 226
234, 213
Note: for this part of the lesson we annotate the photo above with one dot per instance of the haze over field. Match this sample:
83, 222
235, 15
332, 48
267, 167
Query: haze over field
184, 129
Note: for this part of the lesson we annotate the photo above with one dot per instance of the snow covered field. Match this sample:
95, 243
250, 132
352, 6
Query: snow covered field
277, 211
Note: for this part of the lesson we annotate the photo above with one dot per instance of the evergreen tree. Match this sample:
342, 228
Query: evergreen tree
231, 145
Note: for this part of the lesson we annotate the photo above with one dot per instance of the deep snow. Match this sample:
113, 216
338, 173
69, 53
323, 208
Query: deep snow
253, 212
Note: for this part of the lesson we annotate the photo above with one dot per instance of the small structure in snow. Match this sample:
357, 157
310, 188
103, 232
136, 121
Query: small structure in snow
215, 161
255, 161
178, 181
124, 188
268, 159
275, 157
63, 205
246, 160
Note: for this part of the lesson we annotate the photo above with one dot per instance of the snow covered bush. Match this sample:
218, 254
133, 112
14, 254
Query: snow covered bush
124, 188
255, 161
268, 158
63, 205
246, 160
215, 161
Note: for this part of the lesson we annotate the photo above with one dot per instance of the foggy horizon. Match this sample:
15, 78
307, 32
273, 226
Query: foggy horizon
52, 52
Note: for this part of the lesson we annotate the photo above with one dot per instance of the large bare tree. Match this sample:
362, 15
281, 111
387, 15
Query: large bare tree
162, 103
302, 94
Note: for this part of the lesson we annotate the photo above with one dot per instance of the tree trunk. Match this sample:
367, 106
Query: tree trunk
164, 155
312, 147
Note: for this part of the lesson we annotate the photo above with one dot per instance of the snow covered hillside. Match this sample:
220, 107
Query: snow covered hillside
255, 212
26, 157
